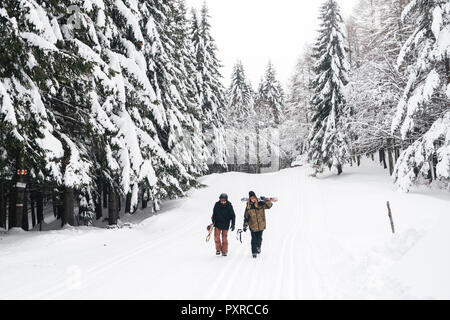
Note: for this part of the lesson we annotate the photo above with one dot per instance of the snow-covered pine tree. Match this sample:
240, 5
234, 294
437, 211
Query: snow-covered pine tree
273, 97
423, 113
185, 64
240, 120
124, 102
240, 98
298, 111
269, 108
26, 133
57, 81
329, 138
169, 79
211, 91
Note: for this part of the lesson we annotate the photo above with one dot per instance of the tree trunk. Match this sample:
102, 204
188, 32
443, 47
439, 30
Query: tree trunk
372, 157
113, 211
105, 196
235, 155
2, 206
19, 191
68, 207
383, 158
145, 199
33, 208
397, 154
258, 159
447, 69
40, 209
339, 168
247, 153
358, 160
11, 209
128, 203
434, 165
54, 204
390, 156
98, 202
25, 222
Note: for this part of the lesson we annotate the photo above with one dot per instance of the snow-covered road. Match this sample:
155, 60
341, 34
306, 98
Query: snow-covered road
327, 238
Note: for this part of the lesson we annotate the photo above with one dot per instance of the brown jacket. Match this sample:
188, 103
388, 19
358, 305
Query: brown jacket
255, 215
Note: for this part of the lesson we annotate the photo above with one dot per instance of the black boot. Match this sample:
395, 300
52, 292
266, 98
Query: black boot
218, 253
255, 255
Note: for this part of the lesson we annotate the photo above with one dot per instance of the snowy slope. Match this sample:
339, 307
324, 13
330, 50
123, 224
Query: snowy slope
327, 238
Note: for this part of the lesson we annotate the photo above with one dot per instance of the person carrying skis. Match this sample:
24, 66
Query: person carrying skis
255, 218
223, 217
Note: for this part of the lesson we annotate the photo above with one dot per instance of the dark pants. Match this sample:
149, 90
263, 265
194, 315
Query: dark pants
256, 241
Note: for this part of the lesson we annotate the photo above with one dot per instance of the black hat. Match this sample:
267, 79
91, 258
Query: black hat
251, 194
223, 196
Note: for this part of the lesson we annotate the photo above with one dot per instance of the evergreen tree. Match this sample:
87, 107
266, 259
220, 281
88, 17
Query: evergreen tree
271, 93
101, 98
329, 138
211, 91
423, 111
240, 97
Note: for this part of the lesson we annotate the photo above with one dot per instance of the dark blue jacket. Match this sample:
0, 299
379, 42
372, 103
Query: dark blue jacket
223, 216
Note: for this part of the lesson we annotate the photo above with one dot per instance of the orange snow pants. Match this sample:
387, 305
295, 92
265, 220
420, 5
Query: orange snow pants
221, 244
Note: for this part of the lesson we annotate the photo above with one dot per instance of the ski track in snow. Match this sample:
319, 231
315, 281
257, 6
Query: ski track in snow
307, 252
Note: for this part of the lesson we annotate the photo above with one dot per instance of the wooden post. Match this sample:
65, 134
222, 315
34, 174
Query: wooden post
390, 217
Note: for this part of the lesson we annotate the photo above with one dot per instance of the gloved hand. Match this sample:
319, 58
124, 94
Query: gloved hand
209, 228
232, 228
264, 199
245, 230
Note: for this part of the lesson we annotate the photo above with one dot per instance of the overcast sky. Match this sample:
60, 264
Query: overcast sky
256, 31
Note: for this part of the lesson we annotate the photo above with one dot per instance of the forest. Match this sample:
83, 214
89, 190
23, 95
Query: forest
111, 105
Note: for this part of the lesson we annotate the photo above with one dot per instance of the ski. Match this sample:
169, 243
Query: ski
272, 199
211, 226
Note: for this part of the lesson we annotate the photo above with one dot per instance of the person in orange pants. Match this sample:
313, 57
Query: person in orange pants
223, 217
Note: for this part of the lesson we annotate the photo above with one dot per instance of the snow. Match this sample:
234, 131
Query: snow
77, 171
6, 106
38, 41
131, 18
37, 16
327, 238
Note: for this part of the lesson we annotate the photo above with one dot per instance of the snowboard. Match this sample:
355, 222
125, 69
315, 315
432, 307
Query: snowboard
210, 232
271, 199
